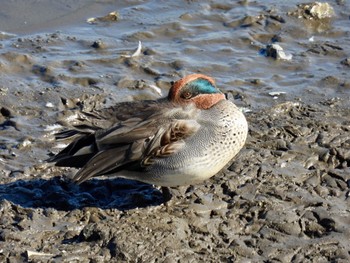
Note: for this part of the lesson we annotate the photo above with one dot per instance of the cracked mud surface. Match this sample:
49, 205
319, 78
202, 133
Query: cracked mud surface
285, 197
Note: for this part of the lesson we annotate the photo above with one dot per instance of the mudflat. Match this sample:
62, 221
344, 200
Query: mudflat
284, 198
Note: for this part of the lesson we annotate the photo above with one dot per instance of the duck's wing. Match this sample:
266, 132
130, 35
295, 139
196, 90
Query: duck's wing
132, 144
137, 148
79, 122
82, 128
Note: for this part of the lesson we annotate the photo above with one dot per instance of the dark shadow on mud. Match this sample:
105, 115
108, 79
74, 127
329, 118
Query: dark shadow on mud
62, 194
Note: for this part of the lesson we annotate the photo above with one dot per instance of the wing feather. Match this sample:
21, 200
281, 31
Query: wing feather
167, 140
101, 164
132, 144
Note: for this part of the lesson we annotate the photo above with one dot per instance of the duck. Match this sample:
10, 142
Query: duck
182, 139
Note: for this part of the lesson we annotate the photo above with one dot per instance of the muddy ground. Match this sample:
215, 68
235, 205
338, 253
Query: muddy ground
285, 197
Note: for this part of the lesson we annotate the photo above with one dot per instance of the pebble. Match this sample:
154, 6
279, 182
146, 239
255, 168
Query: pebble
276, 51
49, 105
98, 44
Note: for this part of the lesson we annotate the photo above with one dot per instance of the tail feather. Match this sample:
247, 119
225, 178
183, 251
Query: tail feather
77, 153
101, 163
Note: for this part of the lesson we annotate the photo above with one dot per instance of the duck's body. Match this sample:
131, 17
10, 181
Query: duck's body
180, 140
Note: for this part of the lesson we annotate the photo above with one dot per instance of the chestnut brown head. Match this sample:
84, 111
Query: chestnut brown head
196, 88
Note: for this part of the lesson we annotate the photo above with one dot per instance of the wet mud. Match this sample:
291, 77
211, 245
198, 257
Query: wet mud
284, 198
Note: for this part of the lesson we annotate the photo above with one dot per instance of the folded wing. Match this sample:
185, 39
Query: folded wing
132, 144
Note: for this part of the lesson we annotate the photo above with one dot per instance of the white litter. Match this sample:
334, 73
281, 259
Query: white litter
136, 53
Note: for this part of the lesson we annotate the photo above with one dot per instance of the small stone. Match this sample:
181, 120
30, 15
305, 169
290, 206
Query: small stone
276, 51
98, 44
49, 105
345, 62
5, 112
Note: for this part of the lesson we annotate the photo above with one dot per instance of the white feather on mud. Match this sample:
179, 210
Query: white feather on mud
136, 53
156, 89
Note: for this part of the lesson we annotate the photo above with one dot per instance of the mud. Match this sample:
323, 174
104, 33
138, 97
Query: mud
285, 197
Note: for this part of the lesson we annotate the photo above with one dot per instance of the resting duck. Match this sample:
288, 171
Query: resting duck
183, 139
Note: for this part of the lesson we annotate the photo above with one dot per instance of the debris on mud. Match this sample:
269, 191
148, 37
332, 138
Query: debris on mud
314, 10
111, 17
275, 51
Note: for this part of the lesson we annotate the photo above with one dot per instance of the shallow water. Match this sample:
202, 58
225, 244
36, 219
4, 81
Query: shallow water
221, 39
51, 59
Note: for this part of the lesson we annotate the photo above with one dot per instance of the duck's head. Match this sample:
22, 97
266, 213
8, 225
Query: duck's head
196, 88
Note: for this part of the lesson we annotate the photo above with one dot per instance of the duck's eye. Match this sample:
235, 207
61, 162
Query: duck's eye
186, 95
